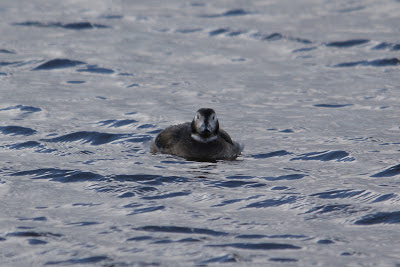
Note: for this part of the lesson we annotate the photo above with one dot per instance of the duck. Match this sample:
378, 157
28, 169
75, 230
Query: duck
199, 140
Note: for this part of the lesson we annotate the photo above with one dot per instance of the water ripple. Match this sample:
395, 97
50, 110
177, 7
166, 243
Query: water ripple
229, 13
348, 43
116, 123
169, 195
59, 63
380, 218
385, 62
64, 176
70, 26
273, 202
332, 105
258, 246
278, 153
96, 69
181, 230
288, 177
88, 260
26, 109
17, 130
94, 138
339, 156
392, 171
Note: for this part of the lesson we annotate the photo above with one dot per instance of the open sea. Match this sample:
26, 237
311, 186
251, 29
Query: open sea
311, 88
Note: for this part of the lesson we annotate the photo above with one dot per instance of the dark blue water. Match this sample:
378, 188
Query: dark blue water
311, 88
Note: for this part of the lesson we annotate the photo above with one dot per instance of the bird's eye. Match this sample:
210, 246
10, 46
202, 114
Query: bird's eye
213, 117
198, 117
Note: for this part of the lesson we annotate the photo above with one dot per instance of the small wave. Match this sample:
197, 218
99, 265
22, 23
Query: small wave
235, 12
34, 241
28, 144
188, 30
70, 26
288, 177
6, 51
396, 47
135, 177
33, 234
140, 238
380, 218
146, 210
287, 131
123, 190
75, 82
168, 195
285, 236
139, 139
97, 70
28, 109
236, 183
279, 188
385, 45
385, 62
218, 31
239, 177
332, 105
325, 241
88, 260
235, 33
279, 36
84, 223
362, 195
228, 258
111, 17
392, 171
339, 156
333, 210
116, 123
94, 138
59, 63
231, 201
146, 126
283, 260
272, 37
181, 230
278, 153
273, 202
346, 193
64, 176
8, 63
348, 43
149, 179
258, 246
17, 130
229, 13
39, 148
41, 219
227, 31
304, 49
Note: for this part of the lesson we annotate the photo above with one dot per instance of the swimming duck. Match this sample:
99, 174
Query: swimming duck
200, 140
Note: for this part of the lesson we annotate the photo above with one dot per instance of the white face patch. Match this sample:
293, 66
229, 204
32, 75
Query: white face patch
201, 123
212, 122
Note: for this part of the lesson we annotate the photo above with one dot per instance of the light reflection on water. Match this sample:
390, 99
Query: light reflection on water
315, 105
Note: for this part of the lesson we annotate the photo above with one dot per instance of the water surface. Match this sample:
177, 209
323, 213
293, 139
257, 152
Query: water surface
311, 88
